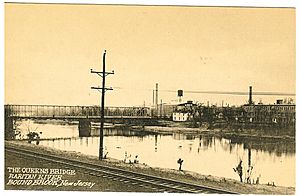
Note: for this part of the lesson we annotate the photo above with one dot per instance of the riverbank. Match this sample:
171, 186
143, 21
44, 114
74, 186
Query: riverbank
169, 127
187, 176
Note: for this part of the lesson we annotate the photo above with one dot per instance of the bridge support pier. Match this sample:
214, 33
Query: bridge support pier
9, 128
84, 128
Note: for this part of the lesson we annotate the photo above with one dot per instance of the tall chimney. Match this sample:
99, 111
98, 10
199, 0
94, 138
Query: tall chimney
153, 102
156, 96
250, 96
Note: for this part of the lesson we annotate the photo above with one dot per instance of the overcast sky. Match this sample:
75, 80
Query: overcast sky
50, 49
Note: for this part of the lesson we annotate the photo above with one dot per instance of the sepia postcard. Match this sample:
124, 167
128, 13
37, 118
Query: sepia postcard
149, 98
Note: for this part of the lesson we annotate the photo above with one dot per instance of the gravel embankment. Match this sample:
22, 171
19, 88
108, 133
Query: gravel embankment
187, 176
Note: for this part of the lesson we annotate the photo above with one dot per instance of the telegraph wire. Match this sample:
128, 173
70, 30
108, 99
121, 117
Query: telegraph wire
262, 93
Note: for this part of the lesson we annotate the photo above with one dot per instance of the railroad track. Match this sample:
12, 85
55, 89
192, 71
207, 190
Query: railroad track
156, 183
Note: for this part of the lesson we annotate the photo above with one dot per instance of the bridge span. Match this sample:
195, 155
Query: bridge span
60, 111
84, 114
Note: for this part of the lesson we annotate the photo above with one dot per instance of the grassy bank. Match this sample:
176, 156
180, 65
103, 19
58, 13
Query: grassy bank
186, 176
98, 184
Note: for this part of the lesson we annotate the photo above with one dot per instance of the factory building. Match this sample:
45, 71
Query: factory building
281, 113
184, 111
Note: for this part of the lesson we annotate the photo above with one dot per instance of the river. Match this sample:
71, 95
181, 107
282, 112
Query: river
208, 155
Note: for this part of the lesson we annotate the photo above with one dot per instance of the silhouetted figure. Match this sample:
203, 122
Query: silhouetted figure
257, 180
136, 159
239, 170
37, 140
105, 156
125, 159
180, 161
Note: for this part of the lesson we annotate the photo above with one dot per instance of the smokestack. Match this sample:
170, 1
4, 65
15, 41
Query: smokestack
153, 98
250, 102
180, 94
156, 96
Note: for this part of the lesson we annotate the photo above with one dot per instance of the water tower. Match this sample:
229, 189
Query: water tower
180, 95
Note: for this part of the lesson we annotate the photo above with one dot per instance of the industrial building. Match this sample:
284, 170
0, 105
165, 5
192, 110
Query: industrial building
184, 111
282, 113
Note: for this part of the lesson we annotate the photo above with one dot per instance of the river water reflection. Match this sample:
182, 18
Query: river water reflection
272, 162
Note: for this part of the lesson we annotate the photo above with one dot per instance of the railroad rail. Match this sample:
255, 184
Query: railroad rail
138, 179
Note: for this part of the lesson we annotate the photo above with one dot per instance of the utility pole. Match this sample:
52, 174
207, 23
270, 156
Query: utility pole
102, 74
